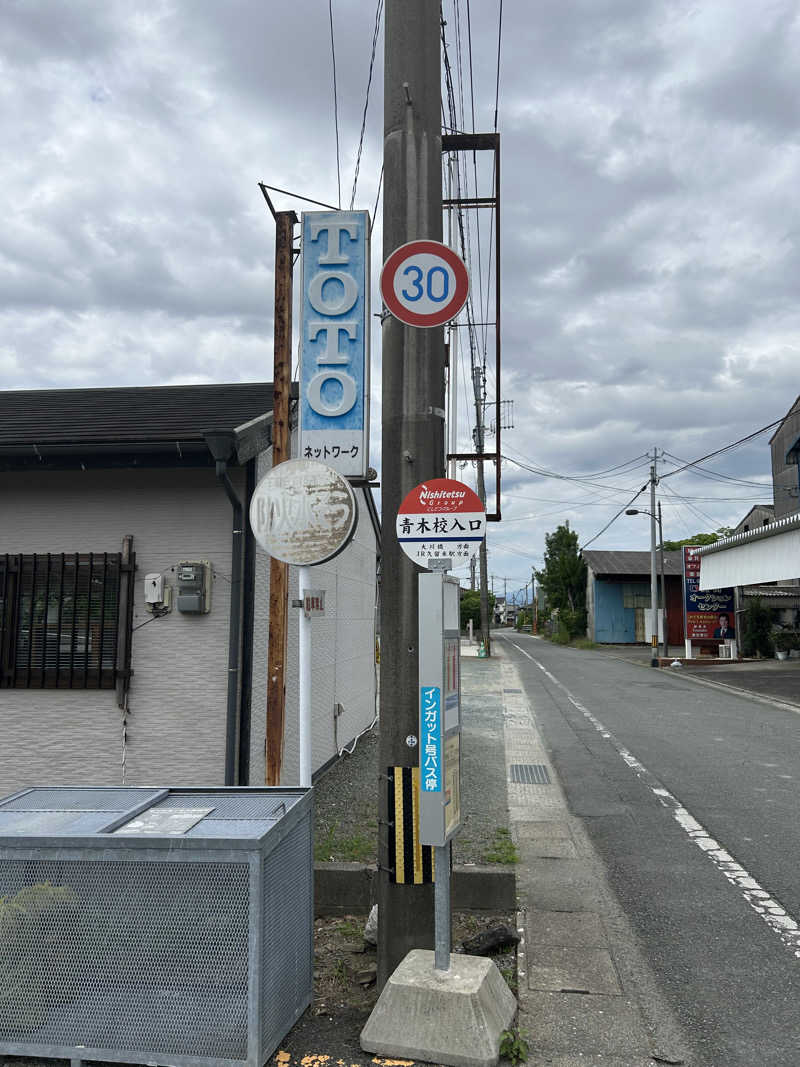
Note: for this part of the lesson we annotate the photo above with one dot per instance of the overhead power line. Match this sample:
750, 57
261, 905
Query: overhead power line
720, 451
614, 519
497, 83
704, 472
335, 108
375, 34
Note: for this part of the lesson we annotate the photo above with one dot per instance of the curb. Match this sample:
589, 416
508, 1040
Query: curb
347, 888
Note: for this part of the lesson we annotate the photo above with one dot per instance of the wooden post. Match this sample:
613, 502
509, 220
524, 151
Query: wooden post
281, 446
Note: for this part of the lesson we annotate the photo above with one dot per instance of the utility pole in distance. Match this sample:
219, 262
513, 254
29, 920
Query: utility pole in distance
413, 437
653, 585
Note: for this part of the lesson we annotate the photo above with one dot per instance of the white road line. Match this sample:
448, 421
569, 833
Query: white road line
770, 910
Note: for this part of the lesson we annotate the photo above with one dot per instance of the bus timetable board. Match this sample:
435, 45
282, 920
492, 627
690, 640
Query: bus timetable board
439, 709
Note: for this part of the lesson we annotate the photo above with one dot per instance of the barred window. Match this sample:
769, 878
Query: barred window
59, 620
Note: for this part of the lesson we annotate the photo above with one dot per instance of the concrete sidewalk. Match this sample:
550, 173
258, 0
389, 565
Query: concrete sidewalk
585, 995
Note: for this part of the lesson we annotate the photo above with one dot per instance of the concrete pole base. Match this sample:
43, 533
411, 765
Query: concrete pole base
453, 1017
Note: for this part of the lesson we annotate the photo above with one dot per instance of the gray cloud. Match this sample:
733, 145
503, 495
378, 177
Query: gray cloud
650, 220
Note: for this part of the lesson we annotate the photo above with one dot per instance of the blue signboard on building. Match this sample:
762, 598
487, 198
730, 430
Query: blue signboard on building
334, 346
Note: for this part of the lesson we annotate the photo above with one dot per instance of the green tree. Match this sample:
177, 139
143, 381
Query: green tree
471, 609
699, 539
563, 579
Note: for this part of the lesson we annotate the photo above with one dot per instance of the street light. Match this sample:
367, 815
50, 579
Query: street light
643, 511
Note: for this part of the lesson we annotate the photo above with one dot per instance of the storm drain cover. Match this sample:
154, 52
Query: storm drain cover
512, 690
530, 773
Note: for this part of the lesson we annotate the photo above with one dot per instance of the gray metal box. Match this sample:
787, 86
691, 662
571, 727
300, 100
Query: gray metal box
159, 926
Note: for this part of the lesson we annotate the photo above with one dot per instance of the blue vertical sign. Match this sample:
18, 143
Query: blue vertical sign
334, 347
430, 757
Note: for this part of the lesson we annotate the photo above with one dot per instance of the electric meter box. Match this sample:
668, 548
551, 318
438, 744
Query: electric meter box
194, 586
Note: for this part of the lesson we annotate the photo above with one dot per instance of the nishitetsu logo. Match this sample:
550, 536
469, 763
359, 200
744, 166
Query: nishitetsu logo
441, 519
441, 499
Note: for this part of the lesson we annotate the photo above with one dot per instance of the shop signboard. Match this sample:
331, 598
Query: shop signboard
334, 340
708, 613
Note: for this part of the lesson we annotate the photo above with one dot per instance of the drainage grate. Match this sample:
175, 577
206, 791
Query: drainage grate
512, 690
530, 773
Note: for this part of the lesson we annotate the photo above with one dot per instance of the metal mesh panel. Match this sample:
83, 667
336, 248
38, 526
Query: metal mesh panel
45, 823
258, 806
66, 798
148, 957
287, 952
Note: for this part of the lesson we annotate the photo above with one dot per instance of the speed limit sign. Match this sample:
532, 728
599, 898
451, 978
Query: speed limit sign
424, 283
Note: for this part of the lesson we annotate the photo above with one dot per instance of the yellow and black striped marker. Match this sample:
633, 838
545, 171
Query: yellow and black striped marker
412, 861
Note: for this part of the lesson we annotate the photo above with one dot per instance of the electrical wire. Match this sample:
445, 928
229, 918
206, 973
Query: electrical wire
721, 451
497, 83
565, 477
335, 108
377, 198
634, 463
701, 515
716, 476
614, 519
375, 34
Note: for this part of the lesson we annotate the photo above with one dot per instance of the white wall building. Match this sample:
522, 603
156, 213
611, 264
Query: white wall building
95, 688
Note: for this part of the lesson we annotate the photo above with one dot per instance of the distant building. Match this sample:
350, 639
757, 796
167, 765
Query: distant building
758, 516
618, 595
785, 471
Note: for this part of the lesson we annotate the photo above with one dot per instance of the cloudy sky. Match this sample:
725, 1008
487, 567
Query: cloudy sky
650, 224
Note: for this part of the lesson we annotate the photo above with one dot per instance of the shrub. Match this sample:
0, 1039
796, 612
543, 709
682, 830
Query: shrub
787, 640
757, 637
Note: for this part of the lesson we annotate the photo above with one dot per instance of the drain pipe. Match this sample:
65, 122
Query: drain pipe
221, 446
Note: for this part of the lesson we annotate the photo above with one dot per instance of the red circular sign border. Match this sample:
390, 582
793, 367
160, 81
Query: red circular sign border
435, 248
437, 483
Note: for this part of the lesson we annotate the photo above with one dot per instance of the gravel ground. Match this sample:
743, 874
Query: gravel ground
346, 804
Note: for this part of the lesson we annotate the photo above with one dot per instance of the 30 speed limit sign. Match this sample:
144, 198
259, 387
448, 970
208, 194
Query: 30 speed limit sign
424, 283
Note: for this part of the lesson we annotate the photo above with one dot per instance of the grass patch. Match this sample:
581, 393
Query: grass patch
576, 642
351, 929
355, 847
502, 849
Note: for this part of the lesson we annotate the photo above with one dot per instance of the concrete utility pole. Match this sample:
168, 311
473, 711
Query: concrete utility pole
477, 383
281, 446
663, 589
653, 585
413, 438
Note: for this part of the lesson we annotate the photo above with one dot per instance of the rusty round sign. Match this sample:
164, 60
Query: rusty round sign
303, 512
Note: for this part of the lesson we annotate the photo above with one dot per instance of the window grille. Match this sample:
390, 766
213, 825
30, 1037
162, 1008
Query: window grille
59, 620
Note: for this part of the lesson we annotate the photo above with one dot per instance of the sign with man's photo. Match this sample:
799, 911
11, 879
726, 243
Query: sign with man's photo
709, 612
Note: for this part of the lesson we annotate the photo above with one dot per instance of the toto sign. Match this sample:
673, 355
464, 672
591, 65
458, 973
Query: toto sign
303, 512
334, 340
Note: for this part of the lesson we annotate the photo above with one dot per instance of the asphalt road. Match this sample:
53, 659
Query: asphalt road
690, 796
